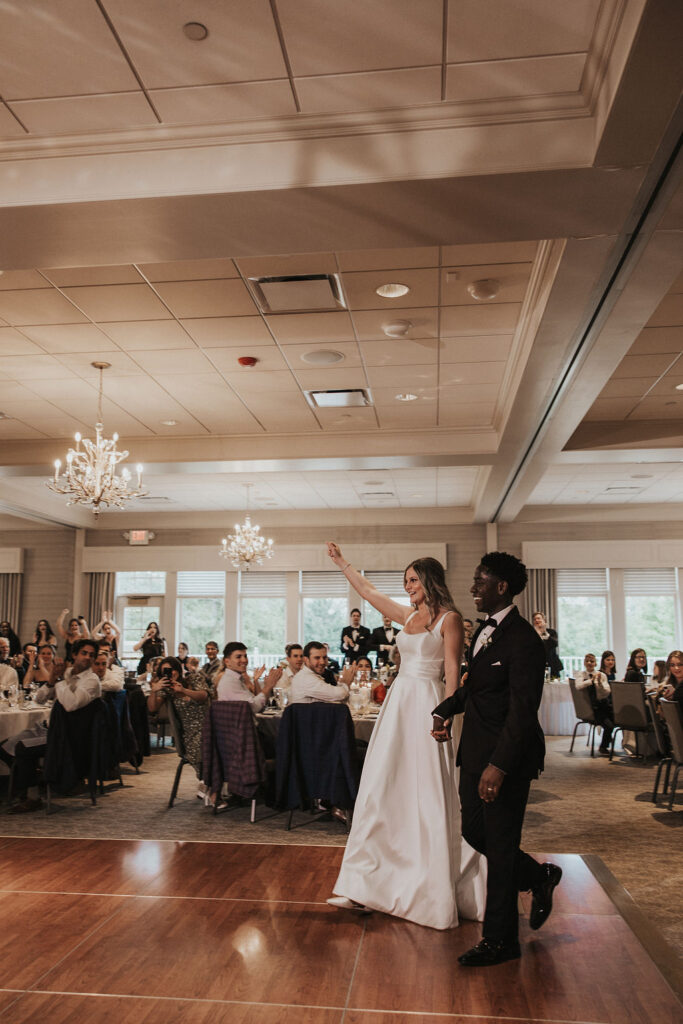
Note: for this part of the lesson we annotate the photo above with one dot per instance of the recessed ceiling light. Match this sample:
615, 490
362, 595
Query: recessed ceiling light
392, 291
484, 290
195, 31
397, 328
322, 357
679, 387
169, 423
407, 397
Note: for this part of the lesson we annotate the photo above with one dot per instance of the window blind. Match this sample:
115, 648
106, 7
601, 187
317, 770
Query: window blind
324, 584
581, 582
263, 584
201, 584
389, 583
649, 581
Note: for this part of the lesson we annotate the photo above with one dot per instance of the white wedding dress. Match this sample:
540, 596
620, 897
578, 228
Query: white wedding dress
405, 853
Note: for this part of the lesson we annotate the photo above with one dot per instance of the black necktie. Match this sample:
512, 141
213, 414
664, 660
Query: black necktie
488, 622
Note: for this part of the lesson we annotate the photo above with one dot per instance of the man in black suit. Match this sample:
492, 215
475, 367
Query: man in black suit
355, 639
501, 750
383, 640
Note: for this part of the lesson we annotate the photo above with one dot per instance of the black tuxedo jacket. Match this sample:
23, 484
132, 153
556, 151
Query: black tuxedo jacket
378, 638
363, 641
500, 698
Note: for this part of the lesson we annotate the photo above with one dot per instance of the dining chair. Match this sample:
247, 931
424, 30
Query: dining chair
671, 710
630, 712
585, 715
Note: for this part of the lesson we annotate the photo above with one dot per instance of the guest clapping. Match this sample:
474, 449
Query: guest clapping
355, 639
233, 683
601, 699
550, 642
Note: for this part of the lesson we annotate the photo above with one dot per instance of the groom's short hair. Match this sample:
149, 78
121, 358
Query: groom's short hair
507, 568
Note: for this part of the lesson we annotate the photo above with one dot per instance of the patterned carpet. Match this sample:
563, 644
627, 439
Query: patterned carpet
579, 805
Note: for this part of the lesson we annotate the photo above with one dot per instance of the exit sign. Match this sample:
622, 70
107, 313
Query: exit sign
138, 537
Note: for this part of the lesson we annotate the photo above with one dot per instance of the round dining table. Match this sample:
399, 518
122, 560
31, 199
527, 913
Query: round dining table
556, 713
268, 722
16, 719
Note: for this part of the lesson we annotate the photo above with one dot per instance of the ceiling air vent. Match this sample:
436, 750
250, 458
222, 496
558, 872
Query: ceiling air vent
338, 399
305, 293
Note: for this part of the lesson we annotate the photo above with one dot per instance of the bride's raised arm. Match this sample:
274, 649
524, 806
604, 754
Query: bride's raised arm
395, 611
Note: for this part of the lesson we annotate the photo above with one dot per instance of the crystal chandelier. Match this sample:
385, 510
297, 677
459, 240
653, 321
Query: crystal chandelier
246, 547
89, 477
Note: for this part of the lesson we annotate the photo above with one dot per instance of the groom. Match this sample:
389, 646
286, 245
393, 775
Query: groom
501, 750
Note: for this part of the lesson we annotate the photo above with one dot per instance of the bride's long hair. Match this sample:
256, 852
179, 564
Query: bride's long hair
432, 576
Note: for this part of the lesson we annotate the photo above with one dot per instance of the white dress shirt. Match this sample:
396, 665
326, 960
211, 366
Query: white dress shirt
73, 691
8, 676
307, 687
113, 681
582, 680
488, 630
232, 687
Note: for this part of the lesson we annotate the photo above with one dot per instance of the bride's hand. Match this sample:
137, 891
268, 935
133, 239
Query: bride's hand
334, 551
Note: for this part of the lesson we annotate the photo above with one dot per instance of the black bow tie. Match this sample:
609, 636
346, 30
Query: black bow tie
488, 622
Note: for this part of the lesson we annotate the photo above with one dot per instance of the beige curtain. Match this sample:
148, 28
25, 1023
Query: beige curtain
10, 598
541, 595
100, 595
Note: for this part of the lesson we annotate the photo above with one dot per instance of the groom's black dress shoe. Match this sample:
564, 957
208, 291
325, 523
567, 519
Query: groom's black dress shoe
486, 954
542, 902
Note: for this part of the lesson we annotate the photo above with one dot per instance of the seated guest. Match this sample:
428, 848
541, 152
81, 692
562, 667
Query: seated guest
76, 686
383, 639
309, 685
608, 665
183, 655
8, 633
601, 699
295, 659
39, 669
76, 630
108, 631
550, 642
233, 683
8, 673
672, 688
355, 639
109, 682
114, 666
660, 677
636, 670
364, 669
212, 664
43, 634
331, 663
190, 696
192, 664
27, 656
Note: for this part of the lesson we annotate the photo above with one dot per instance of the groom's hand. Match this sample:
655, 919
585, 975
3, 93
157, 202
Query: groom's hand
490, 782
441, 729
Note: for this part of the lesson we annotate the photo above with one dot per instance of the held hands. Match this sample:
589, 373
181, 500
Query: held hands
490, 783
441, 730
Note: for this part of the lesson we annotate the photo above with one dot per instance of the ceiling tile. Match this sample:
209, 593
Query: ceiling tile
331, 378
467, 393
173, 361
189, 270
16, 430
62, 338
628, 387
226, 360
148, 335
121, 365
149, 403
655, 339
85, 113
347, 419
242, 44
63, 55
499, 318
669, 312
118, 302
206, 104
400, 352
65, 277
386, 396
14, 344
257, 383
610, 409
480, 30
278, 414
228, 331
480, 349
369, 322
34, 367
659, 408
534, 76
297, 328
403, 377
667, 386
15, 279
38, 306
9, 126
463, 414
286, 265
371, 90
13, 392
643, 366
408, 416
225, 297
488, 252
358, 36
513, 280
294, 354
57, 425
207, 397
389, 259
471, 373
360, 289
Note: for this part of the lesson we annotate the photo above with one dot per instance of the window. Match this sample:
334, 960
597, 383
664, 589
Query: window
140, 583
200, 610
263, 615
651, 610
582, 615
134, 622
388, 583
325, 607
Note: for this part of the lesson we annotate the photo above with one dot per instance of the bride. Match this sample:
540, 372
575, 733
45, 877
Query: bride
405, 855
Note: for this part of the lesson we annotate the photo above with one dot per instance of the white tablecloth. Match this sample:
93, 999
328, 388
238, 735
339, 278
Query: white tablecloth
556, 713
15, 720
362, 724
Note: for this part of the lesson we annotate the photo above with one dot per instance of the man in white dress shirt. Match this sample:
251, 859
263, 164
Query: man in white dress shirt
308, 685
233, 682
295, 661
79, 685
110, 681
8, 674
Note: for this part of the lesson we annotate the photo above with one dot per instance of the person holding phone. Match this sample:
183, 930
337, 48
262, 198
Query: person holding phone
190, 696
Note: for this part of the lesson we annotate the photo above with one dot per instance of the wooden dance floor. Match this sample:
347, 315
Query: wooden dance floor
161, 932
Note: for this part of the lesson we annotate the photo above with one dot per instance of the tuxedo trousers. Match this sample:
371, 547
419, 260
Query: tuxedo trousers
495, 830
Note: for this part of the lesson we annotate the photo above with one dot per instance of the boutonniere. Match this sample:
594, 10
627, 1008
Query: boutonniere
488, 641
